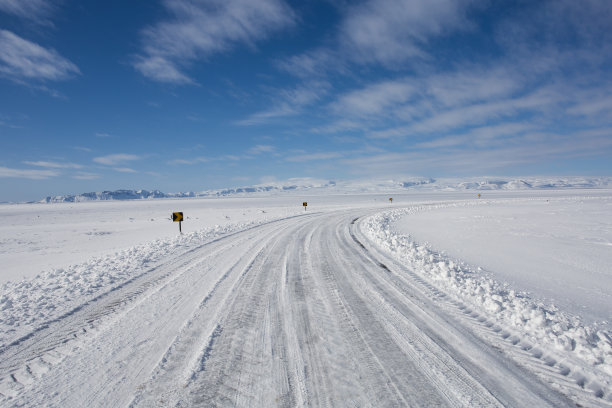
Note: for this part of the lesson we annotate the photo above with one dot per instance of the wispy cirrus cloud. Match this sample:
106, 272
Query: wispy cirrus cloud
482, 136
22, 61
199, 29
314, 157
203, 159
314, 63
259, 149
54, 165
288, 102
116, 159
389, 32
83, 175
125, 170
38, 11
376, 98
195, 160
6, 172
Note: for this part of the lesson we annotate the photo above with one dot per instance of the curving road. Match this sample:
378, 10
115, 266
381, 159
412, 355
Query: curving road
298, 312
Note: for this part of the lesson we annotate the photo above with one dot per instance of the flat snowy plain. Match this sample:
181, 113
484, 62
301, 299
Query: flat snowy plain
439, 298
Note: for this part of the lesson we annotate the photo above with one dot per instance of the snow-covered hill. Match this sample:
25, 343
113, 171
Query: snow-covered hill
107, 195
352, 186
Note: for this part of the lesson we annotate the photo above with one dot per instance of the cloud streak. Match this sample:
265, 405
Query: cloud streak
37, 11
54, 165
115, 159
389, 32
22, 60
289, 102
199, 29
6, 172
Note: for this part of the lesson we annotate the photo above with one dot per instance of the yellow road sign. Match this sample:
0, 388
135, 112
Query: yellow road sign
304, 203
177, 216
391, 199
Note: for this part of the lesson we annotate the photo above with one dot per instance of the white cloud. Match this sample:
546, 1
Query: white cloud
22, 60
259, 149
314, 156
279, 111
34, 10
115, 159
290, 101
445, 102
85, 176
471, 84
189, 161
525, 148
54, 165
6, 172
375, 99
415, 97
391, 31
313, 64
161, 69
485, 136
202, 28
600, 105
124, 170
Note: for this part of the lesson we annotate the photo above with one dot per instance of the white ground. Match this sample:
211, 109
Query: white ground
260, 303
558, 249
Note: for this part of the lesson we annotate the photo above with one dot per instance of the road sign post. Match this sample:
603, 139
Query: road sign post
305, 204
178, 217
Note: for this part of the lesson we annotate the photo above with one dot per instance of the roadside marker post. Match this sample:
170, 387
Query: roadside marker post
391, 200
305, 204
178, 217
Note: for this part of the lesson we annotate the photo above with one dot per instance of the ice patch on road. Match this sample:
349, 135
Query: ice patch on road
28, 304
586, 346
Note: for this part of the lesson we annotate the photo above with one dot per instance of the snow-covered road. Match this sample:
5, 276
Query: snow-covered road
303, 311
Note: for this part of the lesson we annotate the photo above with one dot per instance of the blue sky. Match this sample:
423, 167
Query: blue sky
182, 95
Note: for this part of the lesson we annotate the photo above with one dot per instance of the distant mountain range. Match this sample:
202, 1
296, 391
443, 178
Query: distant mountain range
353, 186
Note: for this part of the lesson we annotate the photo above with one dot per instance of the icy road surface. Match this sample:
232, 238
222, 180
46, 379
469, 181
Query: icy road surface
302, 311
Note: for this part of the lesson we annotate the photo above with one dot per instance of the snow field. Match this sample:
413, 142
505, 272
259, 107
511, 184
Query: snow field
40, 237
557, 249
26, 304
271, 284
585, 349
55, 257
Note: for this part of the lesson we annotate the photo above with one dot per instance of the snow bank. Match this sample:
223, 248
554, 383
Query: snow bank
29, 303
545, 325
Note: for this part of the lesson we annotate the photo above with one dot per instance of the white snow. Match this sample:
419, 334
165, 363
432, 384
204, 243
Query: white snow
547, 260
536, 263
558, 249
37, 237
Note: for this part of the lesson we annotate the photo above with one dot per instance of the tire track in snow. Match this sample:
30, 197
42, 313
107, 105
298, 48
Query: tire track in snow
202, 264
294, 313
189, 353
254, 342
518, 351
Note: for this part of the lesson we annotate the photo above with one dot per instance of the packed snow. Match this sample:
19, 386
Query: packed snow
532, 263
